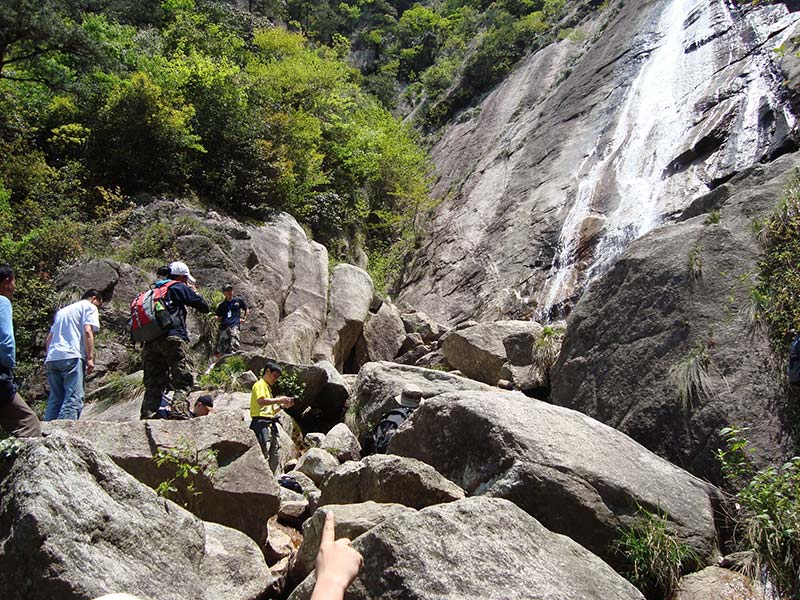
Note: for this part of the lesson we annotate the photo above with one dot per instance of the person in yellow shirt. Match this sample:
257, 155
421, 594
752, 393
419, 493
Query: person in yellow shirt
264, 409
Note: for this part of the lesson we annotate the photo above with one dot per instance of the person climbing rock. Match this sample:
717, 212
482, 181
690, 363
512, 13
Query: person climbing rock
166, 359
16, 417
264, 409
231, 313
70, 355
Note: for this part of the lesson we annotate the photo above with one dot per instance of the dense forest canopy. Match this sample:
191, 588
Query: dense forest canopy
247, 108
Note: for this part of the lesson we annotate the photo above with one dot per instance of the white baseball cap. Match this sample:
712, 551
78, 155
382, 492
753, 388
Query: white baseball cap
180, 268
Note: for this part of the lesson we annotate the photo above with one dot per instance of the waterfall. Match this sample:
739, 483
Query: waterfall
632, 180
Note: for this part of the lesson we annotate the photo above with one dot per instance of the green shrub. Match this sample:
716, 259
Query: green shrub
656, 555
188, 470
288, 385
767, 512
778, 285
225, 376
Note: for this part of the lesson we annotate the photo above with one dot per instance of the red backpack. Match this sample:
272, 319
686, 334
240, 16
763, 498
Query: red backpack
150, 318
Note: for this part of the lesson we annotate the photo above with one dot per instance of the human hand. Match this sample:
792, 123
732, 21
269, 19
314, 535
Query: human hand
287, 402
337, 563
89, 365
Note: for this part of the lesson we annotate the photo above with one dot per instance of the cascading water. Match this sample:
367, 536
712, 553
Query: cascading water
631, 180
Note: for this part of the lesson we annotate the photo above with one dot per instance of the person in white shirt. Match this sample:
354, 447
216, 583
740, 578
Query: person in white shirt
70, 355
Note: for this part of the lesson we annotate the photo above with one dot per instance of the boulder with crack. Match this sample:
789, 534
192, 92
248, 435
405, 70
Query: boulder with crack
476, 548
75, 526
236, 486
388, 478
574, 474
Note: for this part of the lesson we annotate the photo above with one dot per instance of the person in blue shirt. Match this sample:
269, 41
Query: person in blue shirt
165, 359
16, 417
231, 313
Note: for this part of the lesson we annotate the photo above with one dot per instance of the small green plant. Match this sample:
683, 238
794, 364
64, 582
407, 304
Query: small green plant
713, 217
10, 447
695, 265
209, 325
191, 466
767, 512
121, 387
225, 376
690, 376
546, 349
656, 555
288, 385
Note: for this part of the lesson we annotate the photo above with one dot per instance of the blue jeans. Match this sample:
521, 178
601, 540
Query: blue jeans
65, 378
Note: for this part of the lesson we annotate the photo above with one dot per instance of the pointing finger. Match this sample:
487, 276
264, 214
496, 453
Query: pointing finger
328, 529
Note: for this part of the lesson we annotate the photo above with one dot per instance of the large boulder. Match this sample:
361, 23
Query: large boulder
351, 292
379, 383
574, 474
74, 526
383, 336
421, 324
317, 464
476, 548
236, 486
351, 521
676, 307
481, 351
388, 479
233, 565
342, 444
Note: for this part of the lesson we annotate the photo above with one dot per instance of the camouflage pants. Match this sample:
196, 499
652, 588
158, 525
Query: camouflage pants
228, 341
166, 365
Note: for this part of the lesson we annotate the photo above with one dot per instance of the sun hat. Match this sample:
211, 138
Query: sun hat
411, 396
180, 268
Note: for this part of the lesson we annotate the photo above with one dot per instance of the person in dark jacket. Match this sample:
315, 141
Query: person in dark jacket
166, 359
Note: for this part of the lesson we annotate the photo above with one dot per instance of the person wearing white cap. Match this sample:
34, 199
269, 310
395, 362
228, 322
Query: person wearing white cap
166, 359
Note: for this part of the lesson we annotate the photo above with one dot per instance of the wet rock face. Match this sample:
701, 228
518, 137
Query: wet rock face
679, 299
588, 145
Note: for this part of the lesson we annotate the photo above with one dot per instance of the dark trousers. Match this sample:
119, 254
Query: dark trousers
166, 365
266, 431
18, 419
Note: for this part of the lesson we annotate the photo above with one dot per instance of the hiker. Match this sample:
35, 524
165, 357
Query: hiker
16, 417
264, 408
231, 312
377, 440
203, 406
69, 355
166, 359
337, 563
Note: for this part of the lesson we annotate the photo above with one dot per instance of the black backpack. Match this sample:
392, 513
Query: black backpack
793, 368
383, 432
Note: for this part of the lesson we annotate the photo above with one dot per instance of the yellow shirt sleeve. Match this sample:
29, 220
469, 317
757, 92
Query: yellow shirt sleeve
262, 390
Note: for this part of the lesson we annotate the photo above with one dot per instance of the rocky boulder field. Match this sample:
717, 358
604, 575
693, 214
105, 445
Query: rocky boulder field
500, 484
